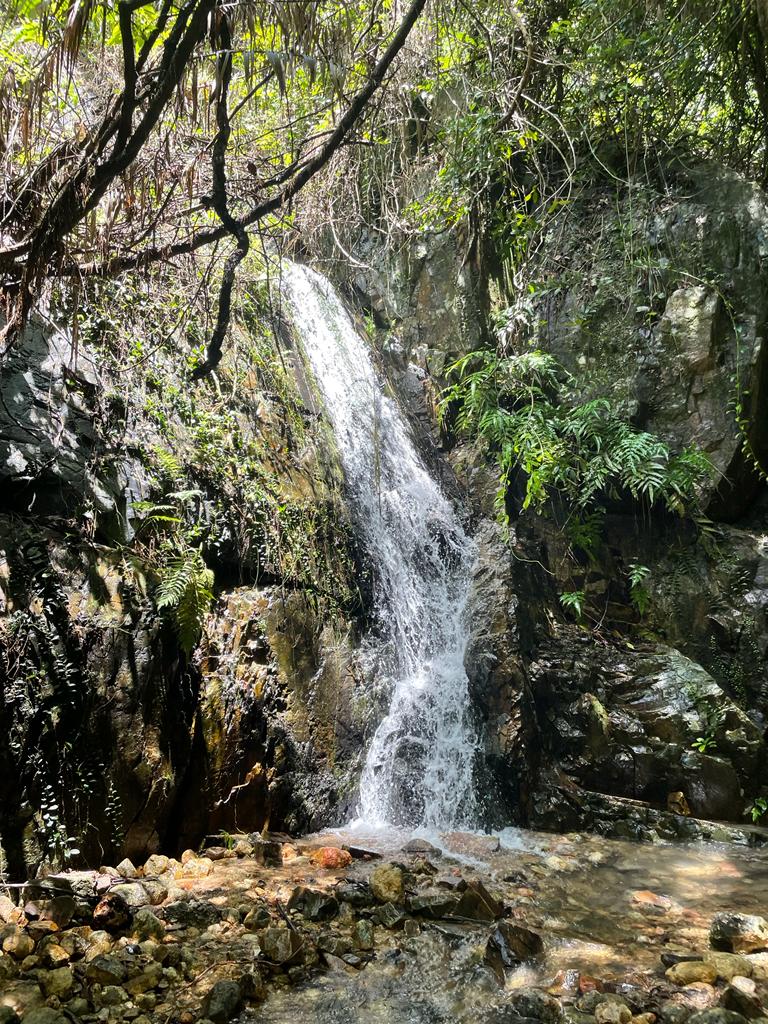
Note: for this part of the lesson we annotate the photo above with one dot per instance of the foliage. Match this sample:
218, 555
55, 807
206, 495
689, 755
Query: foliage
574, 601
758, 808
186, 589
638, 592
522, 410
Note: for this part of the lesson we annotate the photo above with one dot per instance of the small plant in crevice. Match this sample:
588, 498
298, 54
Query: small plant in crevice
573, 601
638, 592
186, 590
758, 809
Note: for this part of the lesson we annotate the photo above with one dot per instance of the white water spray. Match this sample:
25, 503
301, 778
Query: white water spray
419, 767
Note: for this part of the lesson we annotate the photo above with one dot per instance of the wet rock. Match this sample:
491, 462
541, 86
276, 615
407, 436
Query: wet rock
106, 970
728, 965
8, 1015
58, 982
716, 1016
336, 945
357, 894
313, 904
652, 900
612, 1013
536, 1005
389, 916
688, 971
433, 905
477, 904
331, 857
467, 844
421, 846
697, 996
508, 945
46, 1015
279, 945
363, 934
738, 933
741, 996
223, 1002
387, 883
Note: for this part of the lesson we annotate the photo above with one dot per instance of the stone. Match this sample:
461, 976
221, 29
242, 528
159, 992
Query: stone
433, 905
46, 1015
191, 913
536, 1005
18, 943
52, 954
148, 979
280, 944
187, 856
331, 857
112, 913
156, 864
508, 945
363, 934
8, 909
728, 965
738, 933
313, 904
646, 898
477, 904
387, 883
147, 925
133, 894
156, 890
689, 971
257, 918
8, 1015
389, 916
741, 996
58, 982
223, 1002
266, 851
197, 867
716, 1016
106, 970
126, 869
612, 1013
421, 846
357, 894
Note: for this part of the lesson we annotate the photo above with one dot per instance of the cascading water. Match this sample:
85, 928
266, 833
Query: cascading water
419, 766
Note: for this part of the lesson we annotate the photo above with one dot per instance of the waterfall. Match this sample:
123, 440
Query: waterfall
419, 766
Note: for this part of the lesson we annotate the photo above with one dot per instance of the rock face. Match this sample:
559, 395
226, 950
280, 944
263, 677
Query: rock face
247, 729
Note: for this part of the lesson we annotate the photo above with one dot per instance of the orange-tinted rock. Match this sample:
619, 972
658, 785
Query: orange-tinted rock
589, 984
332, 857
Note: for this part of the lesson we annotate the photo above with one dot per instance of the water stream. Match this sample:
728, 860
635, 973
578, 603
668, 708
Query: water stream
419, 765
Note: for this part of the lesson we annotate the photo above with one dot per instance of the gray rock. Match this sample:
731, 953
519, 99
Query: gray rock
106, 970
223, 1002
313, 904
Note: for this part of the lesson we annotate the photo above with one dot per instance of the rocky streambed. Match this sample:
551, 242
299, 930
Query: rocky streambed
351, 928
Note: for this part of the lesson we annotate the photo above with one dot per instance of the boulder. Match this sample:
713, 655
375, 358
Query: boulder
223, 1002
738, 933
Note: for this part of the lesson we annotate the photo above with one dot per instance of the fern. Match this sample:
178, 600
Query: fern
520, 408
186, 590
